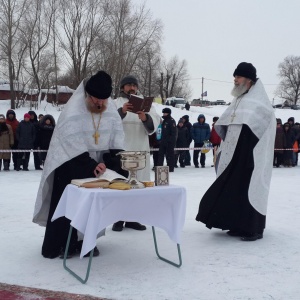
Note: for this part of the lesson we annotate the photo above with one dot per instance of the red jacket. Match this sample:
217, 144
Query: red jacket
214, 137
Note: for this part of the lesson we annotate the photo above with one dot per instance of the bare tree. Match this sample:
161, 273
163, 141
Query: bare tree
82, 21
289, 72
37, 29
11, 16
132, 29
147, 70
174, 79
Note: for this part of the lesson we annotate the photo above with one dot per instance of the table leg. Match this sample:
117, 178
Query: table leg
65, 261
164, 259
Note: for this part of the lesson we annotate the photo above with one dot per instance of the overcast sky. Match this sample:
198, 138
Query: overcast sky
214, 36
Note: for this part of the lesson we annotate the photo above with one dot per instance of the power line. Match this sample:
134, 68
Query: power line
230, 82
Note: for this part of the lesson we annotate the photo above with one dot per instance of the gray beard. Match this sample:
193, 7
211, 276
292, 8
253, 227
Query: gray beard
95, 109
239, 90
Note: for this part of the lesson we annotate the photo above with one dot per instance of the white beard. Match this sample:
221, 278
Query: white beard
239, 90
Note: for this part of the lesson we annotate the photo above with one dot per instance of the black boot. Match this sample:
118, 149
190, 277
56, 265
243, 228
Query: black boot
19, 160
118, 226
6, 164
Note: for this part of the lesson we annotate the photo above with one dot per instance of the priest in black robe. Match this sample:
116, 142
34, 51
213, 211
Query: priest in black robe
237, 200
85, 141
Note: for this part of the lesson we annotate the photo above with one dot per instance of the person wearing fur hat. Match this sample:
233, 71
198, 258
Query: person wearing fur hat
137, 128
237, 200
168, 140
6, 142
14, 123
85, 141
200, 132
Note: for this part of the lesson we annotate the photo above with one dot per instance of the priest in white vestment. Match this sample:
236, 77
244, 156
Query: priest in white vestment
86, 138
237, 200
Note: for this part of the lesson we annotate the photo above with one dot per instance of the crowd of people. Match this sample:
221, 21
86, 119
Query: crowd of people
31, 133
173, 141
287, 142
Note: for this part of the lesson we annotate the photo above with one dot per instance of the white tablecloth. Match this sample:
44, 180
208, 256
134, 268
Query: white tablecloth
92, 210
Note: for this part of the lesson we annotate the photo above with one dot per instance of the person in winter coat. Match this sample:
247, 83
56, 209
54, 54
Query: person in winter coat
6, 142
188, 125
154, 142
280, 144
182, 141
187, 106
36, 155
168, 140
297, 127
215, 139
289, 140
47, 125
26, 135
200, 132
14, 123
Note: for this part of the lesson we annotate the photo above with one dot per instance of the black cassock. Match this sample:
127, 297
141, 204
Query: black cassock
79, 167
226, 204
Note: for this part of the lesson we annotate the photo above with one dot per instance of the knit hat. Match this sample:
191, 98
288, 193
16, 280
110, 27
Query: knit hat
291, 119
27, 115
215, 119
2, 117
99, 85
128, 79
181, 121
166, 110
246, 70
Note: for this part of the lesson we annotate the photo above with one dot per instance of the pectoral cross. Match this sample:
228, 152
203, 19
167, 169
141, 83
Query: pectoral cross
96, 136
233, 116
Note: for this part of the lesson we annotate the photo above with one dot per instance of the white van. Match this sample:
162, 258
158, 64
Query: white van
179, 102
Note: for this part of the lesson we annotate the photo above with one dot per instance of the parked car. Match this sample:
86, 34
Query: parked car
220, 102
295, 107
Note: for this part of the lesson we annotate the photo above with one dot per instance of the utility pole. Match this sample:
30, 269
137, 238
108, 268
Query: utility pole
202, 92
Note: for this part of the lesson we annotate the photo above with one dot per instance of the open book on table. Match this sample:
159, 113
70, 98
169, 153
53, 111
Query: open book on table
102, 181
140, 104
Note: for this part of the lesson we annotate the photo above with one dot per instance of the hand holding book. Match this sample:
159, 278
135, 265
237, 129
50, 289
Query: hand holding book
139, 104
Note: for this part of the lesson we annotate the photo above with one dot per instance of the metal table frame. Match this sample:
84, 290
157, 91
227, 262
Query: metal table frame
92, 252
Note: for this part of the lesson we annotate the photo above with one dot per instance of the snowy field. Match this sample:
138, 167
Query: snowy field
215, 266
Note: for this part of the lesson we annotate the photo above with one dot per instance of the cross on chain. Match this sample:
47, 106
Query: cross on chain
96, 136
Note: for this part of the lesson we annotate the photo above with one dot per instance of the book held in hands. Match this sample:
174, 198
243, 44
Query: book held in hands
140, 104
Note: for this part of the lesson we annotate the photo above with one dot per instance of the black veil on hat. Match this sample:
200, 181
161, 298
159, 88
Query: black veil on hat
246, 70
99, 85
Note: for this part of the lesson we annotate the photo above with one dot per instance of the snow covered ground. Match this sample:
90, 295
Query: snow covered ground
215, 266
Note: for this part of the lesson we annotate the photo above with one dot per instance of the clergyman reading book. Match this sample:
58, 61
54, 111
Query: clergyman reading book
140, 104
